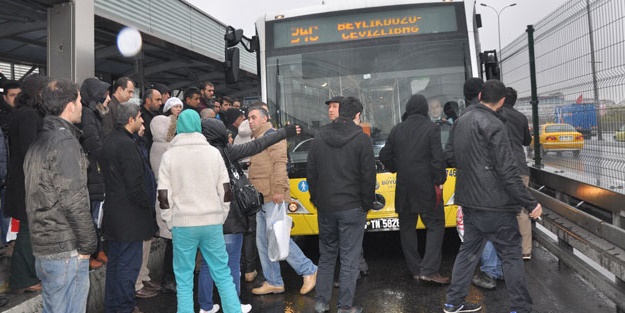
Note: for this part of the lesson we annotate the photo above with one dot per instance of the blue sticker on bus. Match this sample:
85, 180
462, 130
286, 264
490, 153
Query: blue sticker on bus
302, 186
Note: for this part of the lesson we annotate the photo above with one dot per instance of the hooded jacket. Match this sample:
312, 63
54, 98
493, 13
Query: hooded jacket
487, 177
414, 150
93, 93
57, 200
217, 135
341, 168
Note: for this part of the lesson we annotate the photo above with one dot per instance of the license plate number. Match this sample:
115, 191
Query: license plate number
382, 224
566, 138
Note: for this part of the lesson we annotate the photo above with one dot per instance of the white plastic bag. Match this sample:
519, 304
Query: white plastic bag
278, 233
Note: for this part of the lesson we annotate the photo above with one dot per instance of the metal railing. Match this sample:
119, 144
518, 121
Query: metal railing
579, 62
599, 239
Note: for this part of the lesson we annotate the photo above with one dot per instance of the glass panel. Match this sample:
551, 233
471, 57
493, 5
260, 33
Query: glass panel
382, 77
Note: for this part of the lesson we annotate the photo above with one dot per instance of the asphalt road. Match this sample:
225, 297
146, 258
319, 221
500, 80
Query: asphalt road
390, 288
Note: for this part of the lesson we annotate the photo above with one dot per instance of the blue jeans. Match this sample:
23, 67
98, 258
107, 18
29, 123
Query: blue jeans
491, 263
234, 242
122, 271
210, 240
296, 259
65, 284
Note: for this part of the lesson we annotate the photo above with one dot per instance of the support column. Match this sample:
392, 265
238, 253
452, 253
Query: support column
71, 44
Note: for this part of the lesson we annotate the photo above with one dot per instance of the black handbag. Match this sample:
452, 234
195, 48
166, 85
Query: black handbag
248, 200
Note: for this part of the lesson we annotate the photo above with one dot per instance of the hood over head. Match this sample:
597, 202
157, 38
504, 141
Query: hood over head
215, 132
339, 132
417, 104
93, 91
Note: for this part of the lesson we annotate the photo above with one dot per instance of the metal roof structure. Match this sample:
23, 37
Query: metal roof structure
182, 46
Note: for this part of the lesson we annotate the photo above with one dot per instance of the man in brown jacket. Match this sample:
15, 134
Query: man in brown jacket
268, 174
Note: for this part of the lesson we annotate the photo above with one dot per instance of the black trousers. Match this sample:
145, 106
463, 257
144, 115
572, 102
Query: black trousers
434, 221
23, 273
340, 233
502, 228
249, 255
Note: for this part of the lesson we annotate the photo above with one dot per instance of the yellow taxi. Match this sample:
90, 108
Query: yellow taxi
619, 135
559, 137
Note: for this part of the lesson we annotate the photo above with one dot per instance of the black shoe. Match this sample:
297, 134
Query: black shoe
465, 307
484, 281
354, 309
3, 300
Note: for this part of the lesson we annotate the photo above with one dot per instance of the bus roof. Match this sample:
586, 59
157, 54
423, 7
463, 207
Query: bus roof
342, 5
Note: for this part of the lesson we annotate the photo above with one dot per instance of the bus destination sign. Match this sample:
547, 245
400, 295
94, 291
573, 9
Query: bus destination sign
370, 25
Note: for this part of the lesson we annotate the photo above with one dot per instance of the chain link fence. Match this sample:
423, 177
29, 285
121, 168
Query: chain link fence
573, 89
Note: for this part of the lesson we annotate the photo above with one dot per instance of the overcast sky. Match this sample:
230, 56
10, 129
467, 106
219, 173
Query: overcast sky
514, 20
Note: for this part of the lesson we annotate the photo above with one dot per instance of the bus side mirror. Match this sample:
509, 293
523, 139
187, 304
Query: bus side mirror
491, 64
233, 36
231, 65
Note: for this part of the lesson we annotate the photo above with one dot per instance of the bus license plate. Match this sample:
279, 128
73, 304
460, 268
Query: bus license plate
382, 224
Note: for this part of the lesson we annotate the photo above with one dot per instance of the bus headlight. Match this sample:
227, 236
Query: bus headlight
297, 207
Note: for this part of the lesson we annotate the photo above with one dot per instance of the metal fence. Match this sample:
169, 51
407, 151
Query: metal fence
580, 71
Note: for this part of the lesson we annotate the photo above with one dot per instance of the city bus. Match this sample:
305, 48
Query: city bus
381, 52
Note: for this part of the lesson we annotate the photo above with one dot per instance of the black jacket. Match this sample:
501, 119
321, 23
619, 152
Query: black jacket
341, 168
128, 213
93, 92
487, 174
519, 133
147, 117
217, 135
24, 126
57, 200
414, 150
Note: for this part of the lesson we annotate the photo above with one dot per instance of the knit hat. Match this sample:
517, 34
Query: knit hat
188, 122
472, 88
232, 115
170, 103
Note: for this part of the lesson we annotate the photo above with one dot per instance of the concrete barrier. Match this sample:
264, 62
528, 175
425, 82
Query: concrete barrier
32, 303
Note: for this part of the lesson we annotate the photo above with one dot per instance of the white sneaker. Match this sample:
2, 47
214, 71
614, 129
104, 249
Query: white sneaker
245, 308
213, 310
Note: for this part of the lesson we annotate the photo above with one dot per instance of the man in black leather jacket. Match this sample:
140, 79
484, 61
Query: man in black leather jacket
57, 202
491, 193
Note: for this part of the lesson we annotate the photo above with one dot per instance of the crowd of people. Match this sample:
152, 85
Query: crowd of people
106, 176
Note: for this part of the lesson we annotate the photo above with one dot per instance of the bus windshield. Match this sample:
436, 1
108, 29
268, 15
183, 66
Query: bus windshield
383, 77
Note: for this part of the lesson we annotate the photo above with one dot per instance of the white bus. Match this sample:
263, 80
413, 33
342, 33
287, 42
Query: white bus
381, 52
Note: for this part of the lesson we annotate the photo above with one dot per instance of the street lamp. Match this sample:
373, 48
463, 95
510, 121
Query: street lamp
499, 29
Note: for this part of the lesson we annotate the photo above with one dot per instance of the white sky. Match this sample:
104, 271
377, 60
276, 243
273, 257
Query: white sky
514, 20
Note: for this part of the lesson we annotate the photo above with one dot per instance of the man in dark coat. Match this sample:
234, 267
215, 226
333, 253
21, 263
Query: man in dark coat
129, 216
341, 179
491, 192
95, 99
414, 150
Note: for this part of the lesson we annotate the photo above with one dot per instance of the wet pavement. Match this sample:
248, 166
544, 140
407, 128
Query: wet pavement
389, 287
